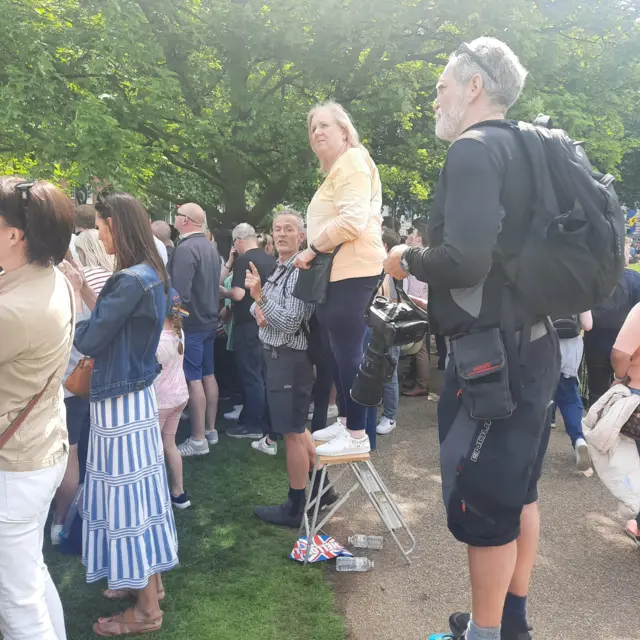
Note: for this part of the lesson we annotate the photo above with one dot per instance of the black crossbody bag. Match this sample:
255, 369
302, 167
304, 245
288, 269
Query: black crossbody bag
313, 283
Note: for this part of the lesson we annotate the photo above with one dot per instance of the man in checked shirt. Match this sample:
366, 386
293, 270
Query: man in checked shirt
283, 321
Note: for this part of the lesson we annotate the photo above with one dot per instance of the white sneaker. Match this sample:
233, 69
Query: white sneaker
332, 414
312, 408
192, 448
211, 436
263, 447
56, 533
235, 414
385, 426
330, 432
344, 445
583, 460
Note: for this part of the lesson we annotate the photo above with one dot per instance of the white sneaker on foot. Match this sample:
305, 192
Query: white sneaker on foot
235, 414
211, 436
332, 413
264, 447
583, 460
56, 532
385, 426
191, 447
344, 445
330, 432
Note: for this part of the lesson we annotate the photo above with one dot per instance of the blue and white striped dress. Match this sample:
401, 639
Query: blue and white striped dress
129, 531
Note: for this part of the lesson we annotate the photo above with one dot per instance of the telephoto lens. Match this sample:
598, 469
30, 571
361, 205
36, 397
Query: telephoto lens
376, 369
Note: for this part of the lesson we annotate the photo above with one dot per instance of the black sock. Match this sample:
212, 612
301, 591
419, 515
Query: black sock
316, 482
298, 498
515, 610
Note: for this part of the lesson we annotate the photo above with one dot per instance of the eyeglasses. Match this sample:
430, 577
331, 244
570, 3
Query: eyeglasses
464, 49
184, 215
24, 188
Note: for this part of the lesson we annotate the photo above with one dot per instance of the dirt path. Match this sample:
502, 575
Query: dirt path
586, 581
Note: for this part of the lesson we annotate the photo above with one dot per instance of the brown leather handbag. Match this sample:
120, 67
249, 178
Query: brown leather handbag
79, 380
631, 429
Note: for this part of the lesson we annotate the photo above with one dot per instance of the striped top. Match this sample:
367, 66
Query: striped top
96, 278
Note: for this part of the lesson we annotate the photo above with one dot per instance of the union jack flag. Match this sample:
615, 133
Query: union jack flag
322, 548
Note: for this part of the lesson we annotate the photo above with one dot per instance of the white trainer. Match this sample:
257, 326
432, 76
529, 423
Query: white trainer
56, 533
583, 460
212, 436
344, 445
385, 426
264, 447
191, 448
235, 414
332, 413
330, 432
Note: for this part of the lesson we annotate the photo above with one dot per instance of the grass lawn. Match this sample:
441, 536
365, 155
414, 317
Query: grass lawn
235, 580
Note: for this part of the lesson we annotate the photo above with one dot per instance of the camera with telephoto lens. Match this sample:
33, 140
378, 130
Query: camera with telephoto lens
393, 324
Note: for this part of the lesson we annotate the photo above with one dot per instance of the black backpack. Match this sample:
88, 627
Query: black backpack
566, 327
573, 253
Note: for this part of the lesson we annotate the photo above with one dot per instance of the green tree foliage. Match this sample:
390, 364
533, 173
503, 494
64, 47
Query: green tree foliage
206, 100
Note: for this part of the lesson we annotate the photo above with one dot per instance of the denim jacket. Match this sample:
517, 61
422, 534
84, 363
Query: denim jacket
123, 332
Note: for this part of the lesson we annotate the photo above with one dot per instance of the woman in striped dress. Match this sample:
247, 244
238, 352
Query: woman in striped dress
129, 534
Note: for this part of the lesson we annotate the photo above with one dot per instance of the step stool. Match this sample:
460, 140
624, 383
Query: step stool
366, 477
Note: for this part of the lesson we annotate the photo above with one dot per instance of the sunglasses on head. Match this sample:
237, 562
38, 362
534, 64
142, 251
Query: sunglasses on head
24, 189
464, 49
101, 202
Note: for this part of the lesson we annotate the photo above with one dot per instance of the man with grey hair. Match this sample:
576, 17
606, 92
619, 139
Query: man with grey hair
162, 231
246, 342
494, 429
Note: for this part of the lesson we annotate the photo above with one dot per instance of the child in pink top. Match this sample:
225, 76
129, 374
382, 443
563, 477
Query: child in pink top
625, 362
625, 357
172, 395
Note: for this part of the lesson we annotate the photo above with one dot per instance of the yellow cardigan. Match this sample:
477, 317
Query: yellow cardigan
348, 207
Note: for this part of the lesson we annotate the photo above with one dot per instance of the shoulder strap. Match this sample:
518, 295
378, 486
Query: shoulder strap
24, 414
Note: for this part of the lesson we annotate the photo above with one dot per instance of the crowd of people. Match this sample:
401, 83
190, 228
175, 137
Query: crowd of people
119, 327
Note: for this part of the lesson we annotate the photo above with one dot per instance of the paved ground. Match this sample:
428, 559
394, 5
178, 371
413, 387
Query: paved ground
587, 576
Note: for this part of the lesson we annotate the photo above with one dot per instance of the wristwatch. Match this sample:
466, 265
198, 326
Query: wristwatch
263, 301
404, 263
313, 248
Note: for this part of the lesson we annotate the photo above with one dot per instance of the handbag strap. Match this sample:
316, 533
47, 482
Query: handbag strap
24, 414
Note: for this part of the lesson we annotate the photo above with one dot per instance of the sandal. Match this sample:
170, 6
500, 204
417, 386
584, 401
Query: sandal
124, 624
123, 594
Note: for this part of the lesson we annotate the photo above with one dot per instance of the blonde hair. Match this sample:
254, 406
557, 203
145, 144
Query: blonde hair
92, 253
343, 120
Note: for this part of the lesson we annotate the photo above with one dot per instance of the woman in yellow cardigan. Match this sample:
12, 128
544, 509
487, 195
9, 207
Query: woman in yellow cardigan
345, 212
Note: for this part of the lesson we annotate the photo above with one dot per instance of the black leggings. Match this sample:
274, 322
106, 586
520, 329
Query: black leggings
343, 329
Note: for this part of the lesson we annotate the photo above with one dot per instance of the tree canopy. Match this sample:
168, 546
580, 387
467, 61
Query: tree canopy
206, 100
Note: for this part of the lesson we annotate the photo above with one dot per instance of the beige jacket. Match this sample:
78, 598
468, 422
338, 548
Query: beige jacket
36, 320
607, 416
348, 207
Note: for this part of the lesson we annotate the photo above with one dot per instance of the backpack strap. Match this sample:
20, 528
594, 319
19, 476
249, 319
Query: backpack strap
516, 353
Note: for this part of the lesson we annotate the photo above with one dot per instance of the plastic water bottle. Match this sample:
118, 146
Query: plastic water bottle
366, 542
353, 564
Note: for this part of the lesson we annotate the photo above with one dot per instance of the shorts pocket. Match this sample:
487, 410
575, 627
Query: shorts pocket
483, 374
